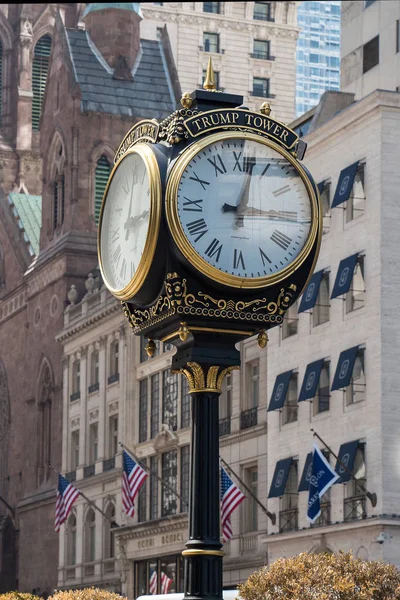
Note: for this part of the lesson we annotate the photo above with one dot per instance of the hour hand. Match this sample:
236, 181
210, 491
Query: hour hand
229, 208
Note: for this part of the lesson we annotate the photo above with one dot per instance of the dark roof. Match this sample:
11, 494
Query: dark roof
147, 96
27, 210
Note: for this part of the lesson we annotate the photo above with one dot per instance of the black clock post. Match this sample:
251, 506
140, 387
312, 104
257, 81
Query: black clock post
181, 295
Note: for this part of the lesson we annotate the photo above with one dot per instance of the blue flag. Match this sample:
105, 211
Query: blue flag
322, 477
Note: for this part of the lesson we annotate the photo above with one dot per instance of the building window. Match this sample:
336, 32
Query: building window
261, 49
216, 78
322, 397
322, 306
185, 403
355, 297
170, 400
143, 410
112, 436
355, 206
371, 54
355, 391
288, 514
290, 321
74, 449
260, 87
262, 11
354, 503
210, 42
102, 173
169, 471
155, 405
225, 406
58, 189
253, 384
93, 442
250, 507
71, 540
109, 544
94, 371
325, 194
40, 67
185, 466
76, 377
211, 7
289, 410
153, 488
90, 536
143, 354
142, 500
114, 360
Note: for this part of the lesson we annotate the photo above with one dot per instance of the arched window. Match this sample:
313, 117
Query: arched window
103, 169
90, 536
58, 188
94, 371
40, 67
109, 542
44, 417
71, 540
114, 362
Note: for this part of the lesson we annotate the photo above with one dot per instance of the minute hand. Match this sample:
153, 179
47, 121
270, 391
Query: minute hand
287, 215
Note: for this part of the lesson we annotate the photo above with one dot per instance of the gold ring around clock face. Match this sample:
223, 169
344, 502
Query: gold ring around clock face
129, 222
242, 210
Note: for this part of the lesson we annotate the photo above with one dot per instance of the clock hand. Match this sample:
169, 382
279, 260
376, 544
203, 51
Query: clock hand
126, 225
241, 208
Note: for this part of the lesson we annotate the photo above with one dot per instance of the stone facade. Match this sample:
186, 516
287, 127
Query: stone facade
237, 60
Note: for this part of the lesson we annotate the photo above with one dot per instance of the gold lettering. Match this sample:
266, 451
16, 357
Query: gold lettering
206, 122
268, 125
225, 118
197, 122
249, 119
235, 116
258, 121
277, 130
284, 135
214, 119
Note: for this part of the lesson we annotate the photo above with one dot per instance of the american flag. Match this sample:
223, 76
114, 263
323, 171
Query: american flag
66, 496
231, 497
132, 479
165, 583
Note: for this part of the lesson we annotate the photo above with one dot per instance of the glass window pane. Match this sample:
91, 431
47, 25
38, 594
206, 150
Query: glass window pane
169, 476
185, 467
170, 400
143, 410
155, 405
153, 488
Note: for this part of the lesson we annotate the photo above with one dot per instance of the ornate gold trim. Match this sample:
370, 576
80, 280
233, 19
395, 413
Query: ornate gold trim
133, 287
199, 381
199, 552
184, 331
187, 249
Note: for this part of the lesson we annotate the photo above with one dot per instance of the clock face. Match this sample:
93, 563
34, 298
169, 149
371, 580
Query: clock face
243, 208
125, 222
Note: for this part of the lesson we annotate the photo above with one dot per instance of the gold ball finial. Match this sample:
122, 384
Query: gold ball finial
265, 108
183, 332
209, 81
150, 348
186, 100
262, 339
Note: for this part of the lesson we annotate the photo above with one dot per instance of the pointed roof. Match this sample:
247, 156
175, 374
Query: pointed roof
132, 6
27, 210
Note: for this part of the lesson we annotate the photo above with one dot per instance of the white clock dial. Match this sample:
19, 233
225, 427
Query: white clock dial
244, 208
125, 222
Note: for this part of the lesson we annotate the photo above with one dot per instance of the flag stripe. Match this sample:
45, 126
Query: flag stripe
66, 496
133, 478
231, 497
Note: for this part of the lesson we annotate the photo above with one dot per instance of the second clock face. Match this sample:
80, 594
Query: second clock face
243, 208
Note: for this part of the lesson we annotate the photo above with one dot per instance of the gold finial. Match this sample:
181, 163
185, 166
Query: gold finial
183, 332
265, 108
150, 348
262, 339
209, 82
186, 100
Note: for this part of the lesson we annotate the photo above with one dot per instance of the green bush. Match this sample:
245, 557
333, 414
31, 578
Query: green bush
85, 594
323, 577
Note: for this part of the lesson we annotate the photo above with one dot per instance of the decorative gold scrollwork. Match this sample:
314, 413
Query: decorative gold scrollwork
172, 129
201, 381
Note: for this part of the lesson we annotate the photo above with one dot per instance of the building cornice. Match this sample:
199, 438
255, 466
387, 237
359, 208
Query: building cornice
151, 528
106, 309
241, 436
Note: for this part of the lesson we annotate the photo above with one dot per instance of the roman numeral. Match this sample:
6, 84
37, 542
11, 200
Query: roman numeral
214, 248
246, 165
281, 239
264, 257
265, 169
132, 268
238, 260
192, 205
197, 228
283, 190
202, 182
218, 168
126, 187
115, 235
123, 269
117, 254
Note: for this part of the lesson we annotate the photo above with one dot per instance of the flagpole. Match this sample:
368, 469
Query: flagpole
271, 516
372, 497
146, 468
113, 522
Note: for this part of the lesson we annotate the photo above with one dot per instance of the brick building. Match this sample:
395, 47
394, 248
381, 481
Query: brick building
56, 148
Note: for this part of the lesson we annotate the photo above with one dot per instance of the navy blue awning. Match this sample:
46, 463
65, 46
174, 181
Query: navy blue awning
306, 476
311, 379
344, 369
347, 454
310, 295
344, 276
345, 184
279, 480
321, 186
280, 390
